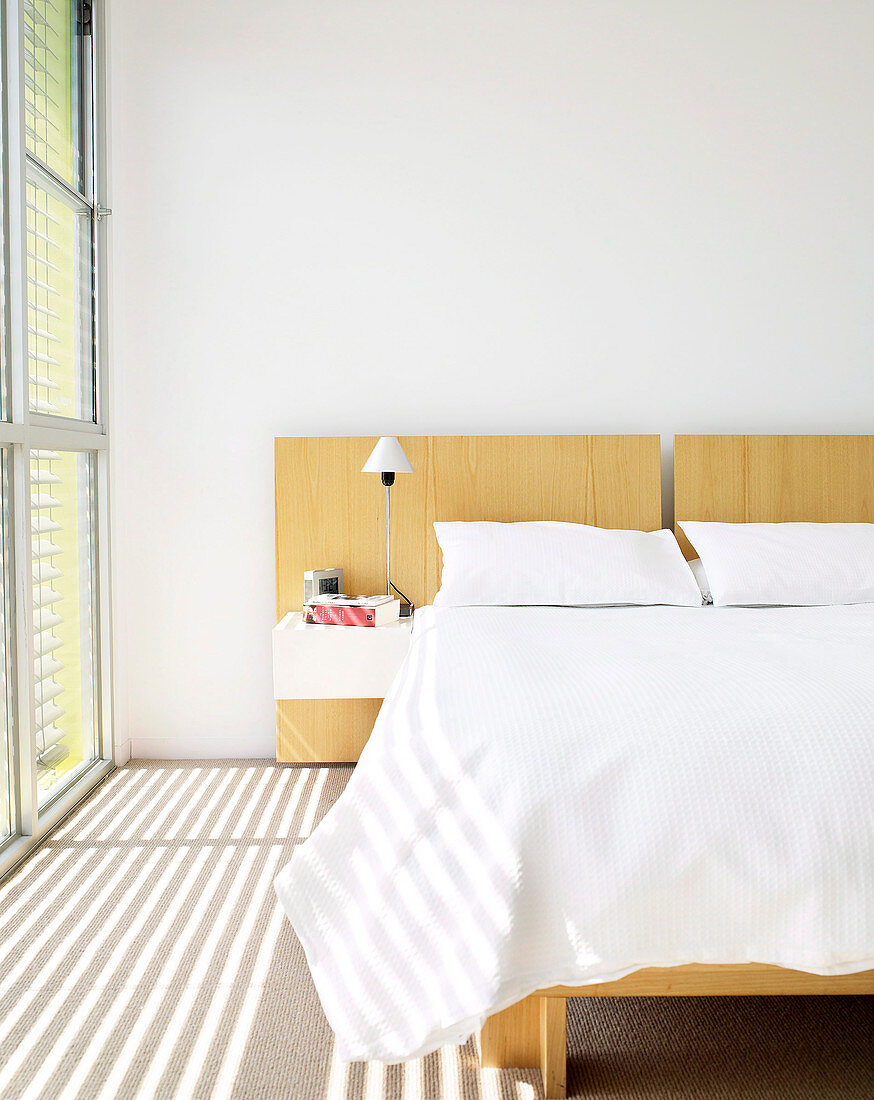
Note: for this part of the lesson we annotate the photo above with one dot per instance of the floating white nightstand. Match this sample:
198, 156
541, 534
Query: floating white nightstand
336, 662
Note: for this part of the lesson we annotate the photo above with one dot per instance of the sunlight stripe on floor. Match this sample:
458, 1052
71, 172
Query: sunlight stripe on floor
194, 982
42, 1022
374, 1081
209, 1026
414, 1074
450, 1073
251, 806
284, 828
110, 967
208, 930
135, 824
62, 945
267, 817
113, 1011
73, 899
206, 812
236, 1045
124, 800
306, 825
118, 788
215, 833
42, 907
158, 819
337, 1078
200, 799
33, 881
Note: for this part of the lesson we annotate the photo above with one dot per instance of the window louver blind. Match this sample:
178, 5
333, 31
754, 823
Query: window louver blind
47, 555
59, 303
59, 251
42, 295
51, 98
6, 784
63, 644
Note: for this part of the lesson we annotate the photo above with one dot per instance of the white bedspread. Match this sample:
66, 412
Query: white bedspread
556, 795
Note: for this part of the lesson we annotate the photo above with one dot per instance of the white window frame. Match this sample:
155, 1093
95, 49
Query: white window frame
24, 431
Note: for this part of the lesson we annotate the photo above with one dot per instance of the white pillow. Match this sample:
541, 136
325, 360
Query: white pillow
697, 568
567, 564
775, 564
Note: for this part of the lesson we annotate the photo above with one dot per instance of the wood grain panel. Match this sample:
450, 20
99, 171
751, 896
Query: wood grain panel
553, 1047
703, 980
773, 479
531, 1033
326, 731
329, 514
512, 1037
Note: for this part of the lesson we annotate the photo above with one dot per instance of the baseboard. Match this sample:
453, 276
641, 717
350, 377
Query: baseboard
203, 748
121, 753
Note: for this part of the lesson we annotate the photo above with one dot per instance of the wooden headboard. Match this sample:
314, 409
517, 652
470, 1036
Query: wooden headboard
330, 515
773, 479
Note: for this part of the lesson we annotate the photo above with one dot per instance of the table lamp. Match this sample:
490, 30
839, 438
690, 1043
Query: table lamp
387, 458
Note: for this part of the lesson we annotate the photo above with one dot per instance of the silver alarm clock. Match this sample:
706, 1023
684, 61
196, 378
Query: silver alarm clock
322, 582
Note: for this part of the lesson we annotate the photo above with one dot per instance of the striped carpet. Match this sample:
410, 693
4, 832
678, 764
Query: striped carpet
143, 954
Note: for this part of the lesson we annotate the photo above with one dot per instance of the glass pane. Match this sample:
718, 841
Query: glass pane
4, 392
52, 83
62, 522
6, 737
59, 305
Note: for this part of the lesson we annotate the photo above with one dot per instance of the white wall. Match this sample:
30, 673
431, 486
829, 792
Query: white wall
362, 217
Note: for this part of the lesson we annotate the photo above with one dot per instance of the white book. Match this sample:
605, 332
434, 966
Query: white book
342, 600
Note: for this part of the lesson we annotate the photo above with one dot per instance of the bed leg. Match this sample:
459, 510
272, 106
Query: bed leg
553, 1046
529, 1034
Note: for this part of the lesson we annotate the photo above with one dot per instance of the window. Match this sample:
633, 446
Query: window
6, 803
53, 84
62, 522
54, 676
59, 323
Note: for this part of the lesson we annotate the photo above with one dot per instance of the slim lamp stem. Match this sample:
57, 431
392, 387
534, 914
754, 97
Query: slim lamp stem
388, 540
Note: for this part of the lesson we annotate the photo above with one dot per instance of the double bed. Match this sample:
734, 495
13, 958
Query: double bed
607, 801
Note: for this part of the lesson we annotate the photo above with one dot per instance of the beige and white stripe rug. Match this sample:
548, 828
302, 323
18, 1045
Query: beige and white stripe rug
143, 955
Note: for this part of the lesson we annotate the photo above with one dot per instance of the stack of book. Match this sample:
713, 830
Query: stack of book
342, 610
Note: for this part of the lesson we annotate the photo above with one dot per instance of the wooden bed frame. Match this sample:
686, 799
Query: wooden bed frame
329, 514
729, 478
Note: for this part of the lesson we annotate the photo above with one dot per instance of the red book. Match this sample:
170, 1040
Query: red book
332, 614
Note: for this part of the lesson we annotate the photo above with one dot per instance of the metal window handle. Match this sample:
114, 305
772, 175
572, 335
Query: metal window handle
102, 211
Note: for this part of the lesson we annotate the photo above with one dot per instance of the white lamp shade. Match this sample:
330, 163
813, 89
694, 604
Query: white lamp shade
387, 457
